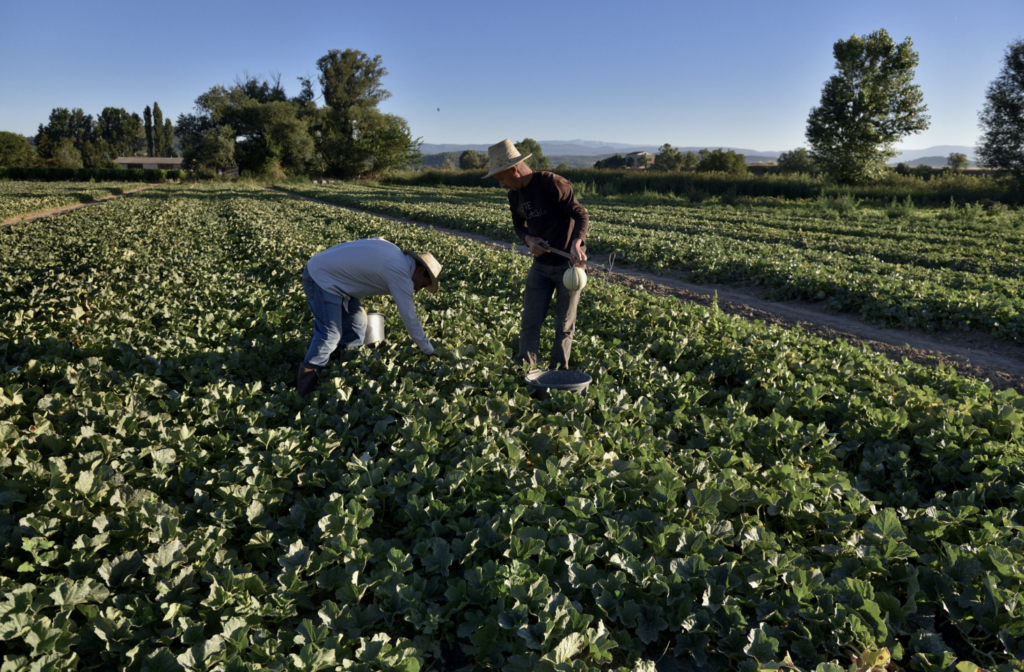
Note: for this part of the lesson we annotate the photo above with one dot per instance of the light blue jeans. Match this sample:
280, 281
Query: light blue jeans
332, 324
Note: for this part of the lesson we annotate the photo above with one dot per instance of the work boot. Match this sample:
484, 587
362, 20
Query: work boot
307, 380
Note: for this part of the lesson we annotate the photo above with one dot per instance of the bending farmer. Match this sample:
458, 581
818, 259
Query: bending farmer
546, 215
338, 277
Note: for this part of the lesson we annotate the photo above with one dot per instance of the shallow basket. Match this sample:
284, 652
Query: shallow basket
570, 381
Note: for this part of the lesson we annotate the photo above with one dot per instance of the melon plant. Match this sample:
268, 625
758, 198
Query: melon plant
24, 198
737, 494
929, 272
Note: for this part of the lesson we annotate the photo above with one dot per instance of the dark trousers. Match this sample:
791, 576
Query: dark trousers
542, 281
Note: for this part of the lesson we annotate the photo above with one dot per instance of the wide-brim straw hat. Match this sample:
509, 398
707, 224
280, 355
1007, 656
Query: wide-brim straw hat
503, 156
427, 260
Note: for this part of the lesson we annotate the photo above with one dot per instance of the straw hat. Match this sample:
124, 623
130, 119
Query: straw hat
503, 156
433, 268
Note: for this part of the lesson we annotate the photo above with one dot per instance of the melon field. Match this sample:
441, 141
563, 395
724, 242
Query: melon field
955, 267
727, 496
23, 198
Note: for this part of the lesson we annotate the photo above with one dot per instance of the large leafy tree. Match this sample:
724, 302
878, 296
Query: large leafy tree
270, 133
721, 161
352, 136
216, 148
614, 161
68, 138
796, 161
471, 160
15, 150
1002, 118
530, 146
957, 161
668, 158
866, 107
120, 132
191, 129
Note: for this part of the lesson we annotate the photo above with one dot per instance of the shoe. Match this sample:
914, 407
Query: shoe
308, 378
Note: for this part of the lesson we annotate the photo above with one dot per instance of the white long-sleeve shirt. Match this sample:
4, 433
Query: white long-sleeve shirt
371, 267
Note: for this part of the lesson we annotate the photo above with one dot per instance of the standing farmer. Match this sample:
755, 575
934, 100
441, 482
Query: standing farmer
546, 215
335, 280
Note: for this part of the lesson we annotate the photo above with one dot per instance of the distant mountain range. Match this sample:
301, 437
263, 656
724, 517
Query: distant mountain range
598, 150
935, 161
594, 148
914, 156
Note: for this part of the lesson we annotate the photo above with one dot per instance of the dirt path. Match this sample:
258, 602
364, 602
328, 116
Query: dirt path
33, 216
976, 354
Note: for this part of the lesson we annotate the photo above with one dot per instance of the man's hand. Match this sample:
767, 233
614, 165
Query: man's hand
538, 246
576, 250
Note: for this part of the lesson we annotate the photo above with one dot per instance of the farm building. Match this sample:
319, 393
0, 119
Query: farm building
640, 159
149, 162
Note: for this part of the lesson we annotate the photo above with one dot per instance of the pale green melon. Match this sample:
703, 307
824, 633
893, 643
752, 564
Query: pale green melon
575, 278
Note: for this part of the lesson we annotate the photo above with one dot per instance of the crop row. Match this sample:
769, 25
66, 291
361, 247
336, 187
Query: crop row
935, 269
729, 491
22, 198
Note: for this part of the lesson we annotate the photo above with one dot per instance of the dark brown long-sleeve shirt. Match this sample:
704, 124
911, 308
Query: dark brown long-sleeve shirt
547, 208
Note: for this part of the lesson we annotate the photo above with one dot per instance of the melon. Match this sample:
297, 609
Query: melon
575, 278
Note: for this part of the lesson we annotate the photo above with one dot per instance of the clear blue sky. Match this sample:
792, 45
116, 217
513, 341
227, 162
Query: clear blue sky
733, 73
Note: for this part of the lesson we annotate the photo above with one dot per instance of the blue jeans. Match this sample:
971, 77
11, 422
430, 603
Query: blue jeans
332, 324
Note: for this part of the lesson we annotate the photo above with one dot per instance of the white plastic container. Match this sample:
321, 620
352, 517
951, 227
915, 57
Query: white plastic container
374, 329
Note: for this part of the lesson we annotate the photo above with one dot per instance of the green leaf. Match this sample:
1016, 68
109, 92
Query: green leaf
704, 500
116, 570
161, 660
70, 593
885, 525
761, 647
164, 456
297, 558
564, 651
649, 623
165, 557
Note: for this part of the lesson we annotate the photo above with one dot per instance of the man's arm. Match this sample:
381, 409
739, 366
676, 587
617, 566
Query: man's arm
569, 206
402, 291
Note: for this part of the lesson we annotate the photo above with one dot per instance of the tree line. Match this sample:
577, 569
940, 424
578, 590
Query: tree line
255, 125
471, 159
869, 105
252, 124
73, 139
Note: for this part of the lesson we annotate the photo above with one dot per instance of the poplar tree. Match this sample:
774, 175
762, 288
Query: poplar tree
168, 138
158, 131
147, 115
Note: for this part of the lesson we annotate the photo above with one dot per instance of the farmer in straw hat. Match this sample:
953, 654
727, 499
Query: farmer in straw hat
546, 215
335, 280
